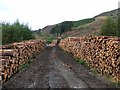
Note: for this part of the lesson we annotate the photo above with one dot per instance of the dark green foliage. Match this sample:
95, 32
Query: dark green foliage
80, 61
68, 25
118, 24
62, 27
116, 83
109, 28
56, 29
15, 32
82, 22
48, 38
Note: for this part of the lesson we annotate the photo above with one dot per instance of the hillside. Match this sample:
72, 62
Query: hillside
47, 29
90, 28
80, 27
113, 13
93, 27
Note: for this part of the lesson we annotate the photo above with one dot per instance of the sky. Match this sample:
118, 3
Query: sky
40, 13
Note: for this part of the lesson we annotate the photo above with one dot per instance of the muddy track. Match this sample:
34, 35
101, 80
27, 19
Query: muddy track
55, 68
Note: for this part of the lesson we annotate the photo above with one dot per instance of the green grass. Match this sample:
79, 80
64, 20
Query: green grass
80, 61
0, 42
106, 77
83, 22
81, 27
26, 65
111, 80
94, 71
47, 38
116, 83
96, 33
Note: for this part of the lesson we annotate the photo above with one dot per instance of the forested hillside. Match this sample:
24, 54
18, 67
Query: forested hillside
65, 26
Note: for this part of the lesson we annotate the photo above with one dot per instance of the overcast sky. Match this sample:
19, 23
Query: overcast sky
39, 13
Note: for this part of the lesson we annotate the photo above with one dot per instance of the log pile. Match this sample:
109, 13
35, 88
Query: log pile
12, 56
100, 52
54, 42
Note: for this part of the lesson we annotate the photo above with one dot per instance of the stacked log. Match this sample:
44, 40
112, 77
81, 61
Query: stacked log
12, 56
54, 42
100, 52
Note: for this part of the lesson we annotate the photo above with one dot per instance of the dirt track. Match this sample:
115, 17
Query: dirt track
55, 68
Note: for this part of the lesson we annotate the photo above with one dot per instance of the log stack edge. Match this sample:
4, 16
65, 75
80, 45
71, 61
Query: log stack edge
100, 52
14, 55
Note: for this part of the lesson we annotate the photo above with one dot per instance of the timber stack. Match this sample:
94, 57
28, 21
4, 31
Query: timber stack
100, 52
53, 43
14, 55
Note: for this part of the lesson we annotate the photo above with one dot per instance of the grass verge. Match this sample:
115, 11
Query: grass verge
80, 61
116, 84
94, 72
26, 65
47, 38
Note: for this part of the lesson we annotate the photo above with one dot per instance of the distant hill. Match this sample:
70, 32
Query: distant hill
94, 26
66, 26
47, 29
80, 27
112, 13
36, 31
90, 28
